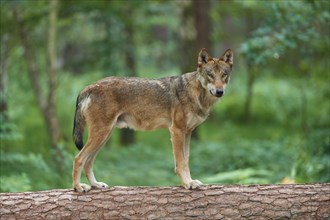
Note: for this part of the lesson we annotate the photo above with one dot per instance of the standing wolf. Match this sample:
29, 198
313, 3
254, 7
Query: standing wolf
179, 103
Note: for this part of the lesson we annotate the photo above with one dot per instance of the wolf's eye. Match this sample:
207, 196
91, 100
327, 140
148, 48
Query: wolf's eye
225, 78
210, 75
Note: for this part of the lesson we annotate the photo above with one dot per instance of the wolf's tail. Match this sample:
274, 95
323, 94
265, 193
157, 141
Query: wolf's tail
78, 126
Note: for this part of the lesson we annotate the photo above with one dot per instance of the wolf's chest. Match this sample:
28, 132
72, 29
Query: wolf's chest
193, 120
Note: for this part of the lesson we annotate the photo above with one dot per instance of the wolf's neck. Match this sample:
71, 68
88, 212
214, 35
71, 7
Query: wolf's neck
200, 94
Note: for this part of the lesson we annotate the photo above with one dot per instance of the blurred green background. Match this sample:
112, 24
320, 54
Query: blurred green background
272, 126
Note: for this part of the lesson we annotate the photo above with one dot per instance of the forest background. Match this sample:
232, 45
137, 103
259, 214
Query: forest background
272, 126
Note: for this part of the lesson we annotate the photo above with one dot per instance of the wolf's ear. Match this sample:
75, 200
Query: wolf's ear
227, 57
203, 57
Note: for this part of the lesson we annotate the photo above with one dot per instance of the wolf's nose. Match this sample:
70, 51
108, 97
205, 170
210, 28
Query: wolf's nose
219, 92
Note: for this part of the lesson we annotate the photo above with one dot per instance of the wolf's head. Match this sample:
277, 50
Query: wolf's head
214, 74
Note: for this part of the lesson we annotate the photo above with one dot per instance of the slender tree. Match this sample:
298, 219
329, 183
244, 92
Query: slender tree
3, 79
46, 103
51, 116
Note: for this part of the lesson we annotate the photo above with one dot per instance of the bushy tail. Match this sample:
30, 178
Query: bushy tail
78, 126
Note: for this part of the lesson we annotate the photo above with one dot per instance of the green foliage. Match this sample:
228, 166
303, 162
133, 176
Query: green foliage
8, 131
15, 183
141, 164
241, 176
21, 172
295, 25
312, 161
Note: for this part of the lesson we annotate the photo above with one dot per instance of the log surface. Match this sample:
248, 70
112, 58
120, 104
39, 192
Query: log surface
305, 201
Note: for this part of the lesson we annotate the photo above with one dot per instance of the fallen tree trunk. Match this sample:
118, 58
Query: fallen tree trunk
307, 201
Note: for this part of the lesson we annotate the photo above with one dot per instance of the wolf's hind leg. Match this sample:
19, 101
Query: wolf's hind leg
90, 174
78, 164
97, 136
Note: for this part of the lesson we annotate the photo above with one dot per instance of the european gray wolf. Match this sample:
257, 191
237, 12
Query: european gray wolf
179, 103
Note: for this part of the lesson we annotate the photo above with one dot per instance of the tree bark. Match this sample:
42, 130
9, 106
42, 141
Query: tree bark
309, 201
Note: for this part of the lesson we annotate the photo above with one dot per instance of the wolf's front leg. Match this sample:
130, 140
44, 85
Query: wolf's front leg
180, 143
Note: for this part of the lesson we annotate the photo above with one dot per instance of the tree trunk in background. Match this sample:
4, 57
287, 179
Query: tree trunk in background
194, 34
46, 104
249, 27
30, 60
187, 34
187, 45
249, 92
310, 201
202, 24
51, 116
3, 82
127, 136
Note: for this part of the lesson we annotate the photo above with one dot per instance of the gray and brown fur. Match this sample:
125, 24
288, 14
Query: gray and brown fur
179, 103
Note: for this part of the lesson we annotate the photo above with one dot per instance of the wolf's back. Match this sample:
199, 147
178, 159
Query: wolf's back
78, 125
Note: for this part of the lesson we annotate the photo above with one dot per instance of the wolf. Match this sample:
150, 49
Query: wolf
178, 103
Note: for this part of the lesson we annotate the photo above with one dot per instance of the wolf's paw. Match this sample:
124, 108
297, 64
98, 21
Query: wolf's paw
100, 185
193, 184
82, 188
